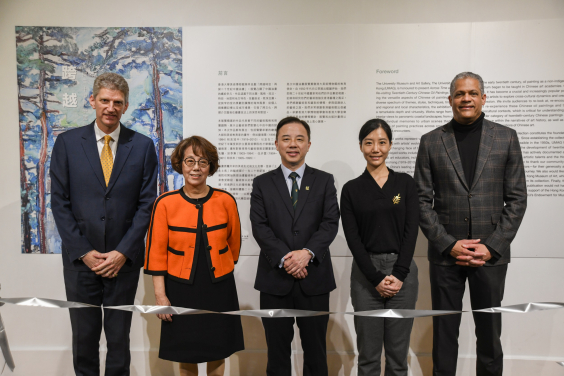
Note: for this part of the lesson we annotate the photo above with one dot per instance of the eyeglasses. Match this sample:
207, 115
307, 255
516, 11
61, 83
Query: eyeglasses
190, 162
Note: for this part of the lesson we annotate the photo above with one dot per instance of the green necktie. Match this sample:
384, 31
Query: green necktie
295, 189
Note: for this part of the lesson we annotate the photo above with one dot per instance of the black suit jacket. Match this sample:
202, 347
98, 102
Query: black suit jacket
278, 229
90, 216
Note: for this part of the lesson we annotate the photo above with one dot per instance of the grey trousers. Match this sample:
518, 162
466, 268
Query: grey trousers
373, 332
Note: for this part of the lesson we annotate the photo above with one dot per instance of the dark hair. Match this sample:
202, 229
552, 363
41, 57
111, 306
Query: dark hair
201, 147
371, 125
291, 119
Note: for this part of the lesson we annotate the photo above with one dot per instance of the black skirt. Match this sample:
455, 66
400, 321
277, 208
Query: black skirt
206, 337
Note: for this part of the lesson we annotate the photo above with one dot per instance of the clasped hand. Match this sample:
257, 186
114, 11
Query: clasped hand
295, 263
105, 264
389, 286
468, 252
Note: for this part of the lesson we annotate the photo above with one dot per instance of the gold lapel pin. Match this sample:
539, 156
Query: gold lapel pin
396, 199
307, 187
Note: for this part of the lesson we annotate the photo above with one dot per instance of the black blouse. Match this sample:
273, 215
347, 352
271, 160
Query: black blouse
381, 220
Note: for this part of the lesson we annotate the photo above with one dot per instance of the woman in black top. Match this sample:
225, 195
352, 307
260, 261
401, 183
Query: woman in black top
380, 214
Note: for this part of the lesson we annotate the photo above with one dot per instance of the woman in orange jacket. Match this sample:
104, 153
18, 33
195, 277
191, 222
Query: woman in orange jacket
193, 245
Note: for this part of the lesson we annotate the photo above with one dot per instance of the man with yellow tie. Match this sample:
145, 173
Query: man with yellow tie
103, 185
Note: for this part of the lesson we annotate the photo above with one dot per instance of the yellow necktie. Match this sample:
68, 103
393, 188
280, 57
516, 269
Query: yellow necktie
107, 159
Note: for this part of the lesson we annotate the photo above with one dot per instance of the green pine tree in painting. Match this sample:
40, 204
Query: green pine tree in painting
40, 50
159, 52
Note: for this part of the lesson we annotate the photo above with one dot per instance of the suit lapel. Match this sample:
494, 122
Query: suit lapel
280, 183
305, 186
91, 151
486, 142
123, 150
449, 142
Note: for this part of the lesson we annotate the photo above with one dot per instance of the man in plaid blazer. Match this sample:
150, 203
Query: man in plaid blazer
473, 196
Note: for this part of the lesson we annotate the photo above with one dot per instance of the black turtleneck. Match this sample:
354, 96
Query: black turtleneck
468, 142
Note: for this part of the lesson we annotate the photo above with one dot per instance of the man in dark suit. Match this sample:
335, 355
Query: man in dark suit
103, 185
295, 217
472, 196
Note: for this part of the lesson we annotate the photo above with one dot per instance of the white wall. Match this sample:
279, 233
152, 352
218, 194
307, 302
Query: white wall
40, 337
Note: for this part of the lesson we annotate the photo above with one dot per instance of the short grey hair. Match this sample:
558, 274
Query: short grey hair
112, 81
462, 75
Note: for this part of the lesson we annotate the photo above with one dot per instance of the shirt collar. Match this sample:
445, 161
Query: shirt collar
286, 171
100, 135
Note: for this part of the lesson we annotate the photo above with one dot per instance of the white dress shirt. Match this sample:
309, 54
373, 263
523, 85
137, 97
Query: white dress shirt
100, 140
100, 144
286, 171
289, 182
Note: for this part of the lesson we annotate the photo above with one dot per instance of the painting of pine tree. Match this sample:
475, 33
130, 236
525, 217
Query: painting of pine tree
56, 68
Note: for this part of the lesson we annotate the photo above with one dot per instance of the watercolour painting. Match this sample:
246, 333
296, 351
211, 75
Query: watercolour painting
56, 68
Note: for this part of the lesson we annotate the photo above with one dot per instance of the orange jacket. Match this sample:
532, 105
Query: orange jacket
172, 239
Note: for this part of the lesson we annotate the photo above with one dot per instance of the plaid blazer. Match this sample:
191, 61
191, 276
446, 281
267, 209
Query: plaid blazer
495, 203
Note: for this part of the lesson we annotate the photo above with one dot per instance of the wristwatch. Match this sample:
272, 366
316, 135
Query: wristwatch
311, 253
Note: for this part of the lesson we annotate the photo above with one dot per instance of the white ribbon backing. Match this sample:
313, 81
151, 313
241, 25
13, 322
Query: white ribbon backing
274, 313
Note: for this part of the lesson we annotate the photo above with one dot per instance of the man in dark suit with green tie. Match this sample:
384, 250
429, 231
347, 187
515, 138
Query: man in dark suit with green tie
295, 217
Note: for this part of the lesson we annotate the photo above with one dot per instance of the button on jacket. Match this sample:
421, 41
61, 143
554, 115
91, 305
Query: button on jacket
174, 235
